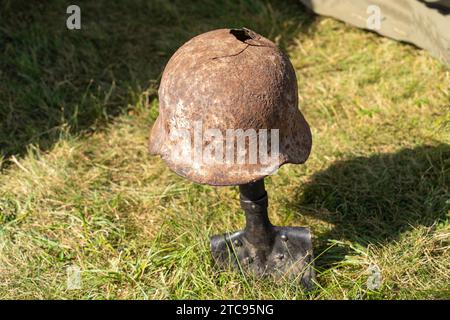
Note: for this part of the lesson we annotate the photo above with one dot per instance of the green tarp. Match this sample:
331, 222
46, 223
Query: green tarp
425, 23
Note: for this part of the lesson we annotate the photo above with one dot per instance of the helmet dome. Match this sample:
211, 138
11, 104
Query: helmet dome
222, 84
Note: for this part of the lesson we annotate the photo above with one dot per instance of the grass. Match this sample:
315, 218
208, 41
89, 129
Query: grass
78, 188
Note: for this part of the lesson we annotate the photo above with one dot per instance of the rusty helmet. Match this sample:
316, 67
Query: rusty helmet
222, 81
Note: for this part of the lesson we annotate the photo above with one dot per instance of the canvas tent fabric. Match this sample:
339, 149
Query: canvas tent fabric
424, 23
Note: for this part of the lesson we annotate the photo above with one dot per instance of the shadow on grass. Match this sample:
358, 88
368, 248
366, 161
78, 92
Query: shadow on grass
54, 80
375, 199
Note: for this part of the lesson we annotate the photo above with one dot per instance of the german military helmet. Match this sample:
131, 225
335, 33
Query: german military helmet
222, 81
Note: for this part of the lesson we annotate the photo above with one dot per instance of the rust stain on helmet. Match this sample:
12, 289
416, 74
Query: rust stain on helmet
228, 79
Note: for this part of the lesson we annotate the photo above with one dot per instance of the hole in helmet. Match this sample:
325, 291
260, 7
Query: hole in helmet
242, 34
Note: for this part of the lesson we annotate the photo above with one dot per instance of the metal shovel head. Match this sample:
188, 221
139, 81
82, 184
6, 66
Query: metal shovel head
290, 255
